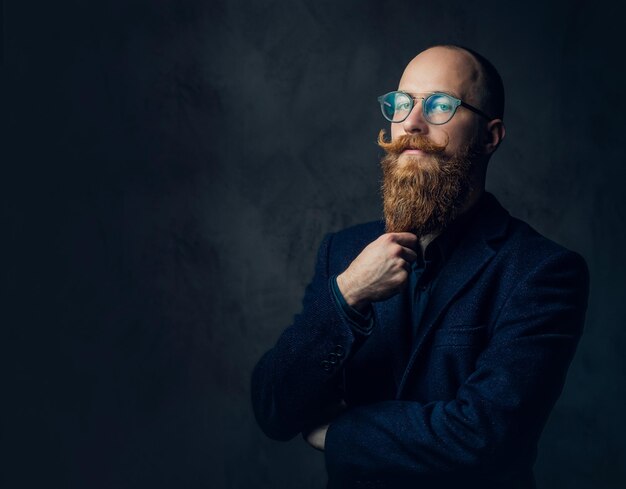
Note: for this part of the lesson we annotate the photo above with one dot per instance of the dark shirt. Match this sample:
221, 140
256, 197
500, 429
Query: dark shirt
425, 271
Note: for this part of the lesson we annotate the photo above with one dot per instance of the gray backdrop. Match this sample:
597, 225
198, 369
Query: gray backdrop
171, 170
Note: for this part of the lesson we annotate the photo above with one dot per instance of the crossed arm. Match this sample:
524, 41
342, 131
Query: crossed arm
498, 413
495, 418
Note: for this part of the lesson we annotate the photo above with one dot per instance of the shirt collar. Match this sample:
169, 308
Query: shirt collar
440, 248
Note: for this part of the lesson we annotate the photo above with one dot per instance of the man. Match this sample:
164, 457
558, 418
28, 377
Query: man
430, 348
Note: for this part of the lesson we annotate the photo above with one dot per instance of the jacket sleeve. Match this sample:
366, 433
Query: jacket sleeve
301, 376
498, 413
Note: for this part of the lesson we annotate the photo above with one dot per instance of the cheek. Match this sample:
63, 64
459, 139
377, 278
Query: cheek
396, 130
441, 137
455, 136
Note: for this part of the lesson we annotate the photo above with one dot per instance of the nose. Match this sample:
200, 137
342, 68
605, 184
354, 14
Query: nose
415, 122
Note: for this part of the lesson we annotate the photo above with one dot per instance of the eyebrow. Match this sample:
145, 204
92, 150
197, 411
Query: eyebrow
447, 92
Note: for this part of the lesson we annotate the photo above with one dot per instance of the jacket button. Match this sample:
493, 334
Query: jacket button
339, 351
326, 365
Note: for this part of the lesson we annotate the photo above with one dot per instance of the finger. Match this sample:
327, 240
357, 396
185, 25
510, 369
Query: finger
317, 437
408, 254
405, 239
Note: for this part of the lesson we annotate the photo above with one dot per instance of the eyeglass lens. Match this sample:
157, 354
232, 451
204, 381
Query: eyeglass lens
437, 108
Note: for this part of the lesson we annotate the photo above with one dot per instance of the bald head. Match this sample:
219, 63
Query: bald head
470, 72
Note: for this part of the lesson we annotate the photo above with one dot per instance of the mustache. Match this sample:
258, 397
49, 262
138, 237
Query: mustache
409, 141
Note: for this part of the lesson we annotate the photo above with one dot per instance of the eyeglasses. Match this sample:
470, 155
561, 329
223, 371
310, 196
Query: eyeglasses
437, 108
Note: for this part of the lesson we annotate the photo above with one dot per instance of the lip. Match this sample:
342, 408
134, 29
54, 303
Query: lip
413, 152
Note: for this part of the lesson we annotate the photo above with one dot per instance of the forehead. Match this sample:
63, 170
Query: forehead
441, 69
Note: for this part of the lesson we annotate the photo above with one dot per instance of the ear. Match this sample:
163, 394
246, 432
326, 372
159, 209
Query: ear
493, 135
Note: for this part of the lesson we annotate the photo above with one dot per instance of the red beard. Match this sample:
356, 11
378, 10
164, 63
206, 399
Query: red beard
422, 194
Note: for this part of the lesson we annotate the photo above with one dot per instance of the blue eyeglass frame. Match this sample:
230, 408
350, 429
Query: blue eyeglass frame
457, 102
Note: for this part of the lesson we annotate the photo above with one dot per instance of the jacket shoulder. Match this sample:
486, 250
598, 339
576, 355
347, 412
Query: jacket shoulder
528, 246
358, 232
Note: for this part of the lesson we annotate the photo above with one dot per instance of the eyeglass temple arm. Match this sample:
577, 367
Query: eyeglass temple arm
476, 111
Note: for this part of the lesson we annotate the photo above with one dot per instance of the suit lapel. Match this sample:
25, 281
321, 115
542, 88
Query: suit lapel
393, 316
468, 259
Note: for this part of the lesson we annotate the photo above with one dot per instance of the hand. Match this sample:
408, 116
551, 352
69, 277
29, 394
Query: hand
380, 270
317, 437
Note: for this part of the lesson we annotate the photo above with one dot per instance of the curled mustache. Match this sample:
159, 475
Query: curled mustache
408, 141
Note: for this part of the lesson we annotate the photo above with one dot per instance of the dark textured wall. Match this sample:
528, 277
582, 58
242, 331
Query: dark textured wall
170, 170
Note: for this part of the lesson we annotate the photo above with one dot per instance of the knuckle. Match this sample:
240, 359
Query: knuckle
395, 282
398, 262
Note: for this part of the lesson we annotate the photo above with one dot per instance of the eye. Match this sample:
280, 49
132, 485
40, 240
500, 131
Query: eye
442, 107
440, 104
403, 105
401, 102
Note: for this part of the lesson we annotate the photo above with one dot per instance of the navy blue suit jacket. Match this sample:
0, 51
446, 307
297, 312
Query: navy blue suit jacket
465, 403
